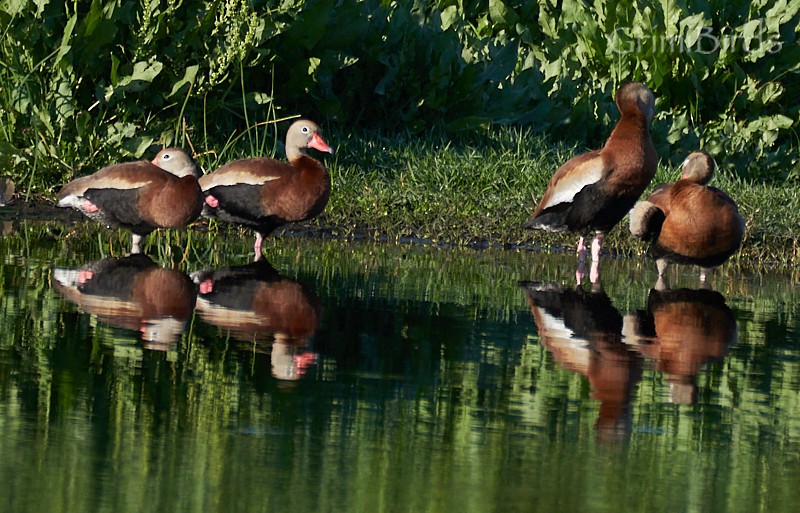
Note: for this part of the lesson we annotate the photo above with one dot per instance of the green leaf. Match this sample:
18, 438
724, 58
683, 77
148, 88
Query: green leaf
449, 16
65, 39
140, 78
137, 146
64, 102
768, 93
691, 28
188, 79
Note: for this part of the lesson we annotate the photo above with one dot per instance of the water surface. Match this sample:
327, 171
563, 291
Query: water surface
344, 376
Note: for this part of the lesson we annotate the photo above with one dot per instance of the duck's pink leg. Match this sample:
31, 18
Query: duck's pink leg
88, 206
257, 246
596, 243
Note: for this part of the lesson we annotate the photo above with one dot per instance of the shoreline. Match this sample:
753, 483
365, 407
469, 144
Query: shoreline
618, 246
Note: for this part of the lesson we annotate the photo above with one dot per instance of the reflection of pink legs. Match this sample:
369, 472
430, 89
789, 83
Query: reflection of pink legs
206, 287
581, 251
304, 360
594, 272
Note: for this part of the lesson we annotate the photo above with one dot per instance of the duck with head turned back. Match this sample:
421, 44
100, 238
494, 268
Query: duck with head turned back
139, 196
688, 222
594, 191
264, 193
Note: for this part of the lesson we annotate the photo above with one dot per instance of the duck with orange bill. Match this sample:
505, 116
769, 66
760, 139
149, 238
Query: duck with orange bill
264, 193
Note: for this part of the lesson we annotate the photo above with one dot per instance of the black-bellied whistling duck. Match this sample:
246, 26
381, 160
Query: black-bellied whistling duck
594, 191
583, 332
134, 293
264, 193
688, 222
260, 307
682, 330
139, 196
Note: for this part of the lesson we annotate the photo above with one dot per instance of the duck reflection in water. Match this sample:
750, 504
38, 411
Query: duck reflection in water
681, 330
134, 293
257, 305
583, 331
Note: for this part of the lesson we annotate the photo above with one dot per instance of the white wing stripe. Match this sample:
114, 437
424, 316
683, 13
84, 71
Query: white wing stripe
570, 185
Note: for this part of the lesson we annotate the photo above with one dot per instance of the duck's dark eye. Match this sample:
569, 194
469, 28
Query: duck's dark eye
305, 129
166, 156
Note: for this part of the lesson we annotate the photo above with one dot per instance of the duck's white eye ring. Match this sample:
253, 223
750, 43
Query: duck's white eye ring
305, 129
165, 157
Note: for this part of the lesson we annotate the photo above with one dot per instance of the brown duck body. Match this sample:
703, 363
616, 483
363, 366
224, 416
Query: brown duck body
139, 196
702, 225
688, 222
264, 194
594, 191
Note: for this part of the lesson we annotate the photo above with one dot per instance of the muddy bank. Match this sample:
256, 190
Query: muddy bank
37, 211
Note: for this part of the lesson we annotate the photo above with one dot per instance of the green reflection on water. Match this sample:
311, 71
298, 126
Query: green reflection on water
432, 391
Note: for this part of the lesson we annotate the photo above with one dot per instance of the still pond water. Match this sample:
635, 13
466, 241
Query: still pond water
387, 378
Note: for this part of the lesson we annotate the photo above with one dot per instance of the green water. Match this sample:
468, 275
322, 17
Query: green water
425, 385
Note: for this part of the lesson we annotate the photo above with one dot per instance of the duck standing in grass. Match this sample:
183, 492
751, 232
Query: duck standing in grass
688, 222
594, 191
139, 196
264, 193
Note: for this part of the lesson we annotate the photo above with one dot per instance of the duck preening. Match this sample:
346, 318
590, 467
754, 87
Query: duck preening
264, 194
688, 222
593, 191
139, 196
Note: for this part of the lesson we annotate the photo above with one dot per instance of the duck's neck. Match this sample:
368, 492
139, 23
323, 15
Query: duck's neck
293, 154
630, 125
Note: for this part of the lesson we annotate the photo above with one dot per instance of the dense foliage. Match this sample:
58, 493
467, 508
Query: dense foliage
85, 82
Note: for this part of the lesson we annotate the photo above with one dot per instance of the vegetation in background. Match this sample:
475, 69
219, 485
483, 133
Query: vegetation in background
86, 83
